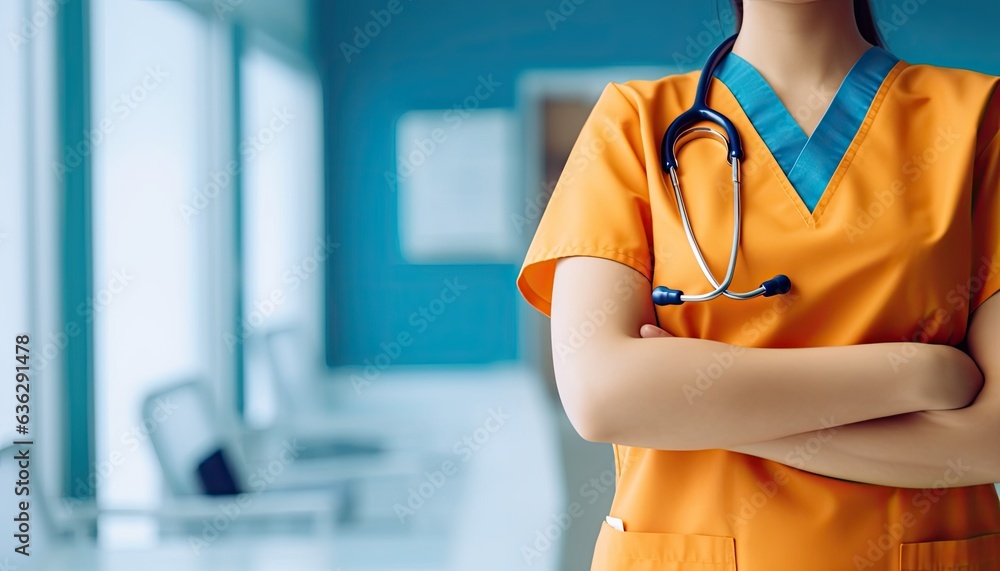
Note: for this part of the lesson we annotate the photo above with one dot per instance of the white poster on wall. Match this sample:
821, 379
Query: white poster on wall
454, 178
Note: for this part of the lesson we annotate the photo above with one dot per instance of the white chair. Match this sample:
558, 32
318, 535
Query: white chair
199, 456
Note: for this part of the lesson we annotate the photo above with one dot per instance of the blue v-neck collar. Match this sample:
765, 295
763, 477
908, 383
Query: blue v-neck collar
808, 162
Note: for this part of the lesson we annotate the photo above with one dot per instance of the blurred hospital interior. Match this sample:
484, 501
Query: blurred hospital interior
263, 254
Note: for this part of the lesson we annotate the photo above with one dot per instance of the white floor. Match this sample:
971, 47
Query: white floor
502, 495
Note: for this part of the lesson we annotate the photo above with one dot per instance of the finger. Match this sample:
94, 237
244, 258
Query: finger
650, 331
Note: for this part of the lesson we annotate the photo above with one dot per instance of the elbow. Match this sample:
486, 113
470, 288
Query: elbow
979, 426
993, 454
589, 426
585, 407
609, 407
980, 423
990, 463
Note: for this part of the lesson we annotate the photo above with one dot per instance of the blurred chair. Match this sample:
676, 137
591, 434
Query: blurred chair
369, 448
205, 470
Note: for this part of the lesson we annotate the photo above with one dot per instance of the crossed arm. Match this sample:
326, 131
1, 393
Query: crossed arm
922, 449
860, 419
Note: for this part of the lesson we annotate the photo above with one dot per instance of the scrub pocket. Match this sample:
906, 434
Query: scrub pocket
976, 554
635, 551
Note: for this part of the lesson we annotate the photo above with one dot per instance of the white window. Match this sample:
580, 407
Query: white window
284, 245
148, 131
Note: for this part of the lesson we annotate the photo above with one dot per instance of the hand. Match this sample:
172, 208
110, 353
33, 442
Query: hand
950, 378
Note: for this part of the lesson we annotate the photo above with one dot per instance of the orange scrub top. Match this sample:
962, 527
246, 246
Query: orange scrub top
898, 241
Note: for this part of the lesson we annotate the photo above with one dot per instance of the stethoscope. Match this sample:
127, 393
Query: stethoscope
677, 135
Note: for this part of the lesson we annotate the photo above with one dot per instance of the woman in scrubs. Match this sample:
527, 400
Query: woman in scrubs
853, 423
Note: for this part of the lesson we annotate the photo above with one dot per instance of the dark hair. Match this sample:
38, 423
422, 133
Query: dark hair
862, 13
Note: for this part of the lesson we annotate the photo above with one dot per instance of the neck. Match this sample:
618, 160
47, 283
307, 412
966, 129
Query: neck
815, 41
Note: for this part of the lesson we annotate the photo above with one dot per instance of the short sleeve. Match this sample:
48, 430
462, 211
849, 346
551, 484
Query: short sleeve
985, 278
600, 204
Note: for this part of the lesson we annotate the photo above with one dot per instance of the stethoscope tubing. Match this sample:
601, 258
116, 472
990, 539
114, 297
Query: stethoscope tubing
679, 131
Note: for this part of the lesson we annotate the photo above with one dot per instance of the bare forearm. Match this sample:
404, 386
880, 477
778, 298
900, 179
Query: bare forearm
918, 450
924, 449
679, 394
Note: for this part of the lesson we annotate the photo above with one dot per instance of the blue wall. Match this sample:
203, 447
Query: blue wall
429, 56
